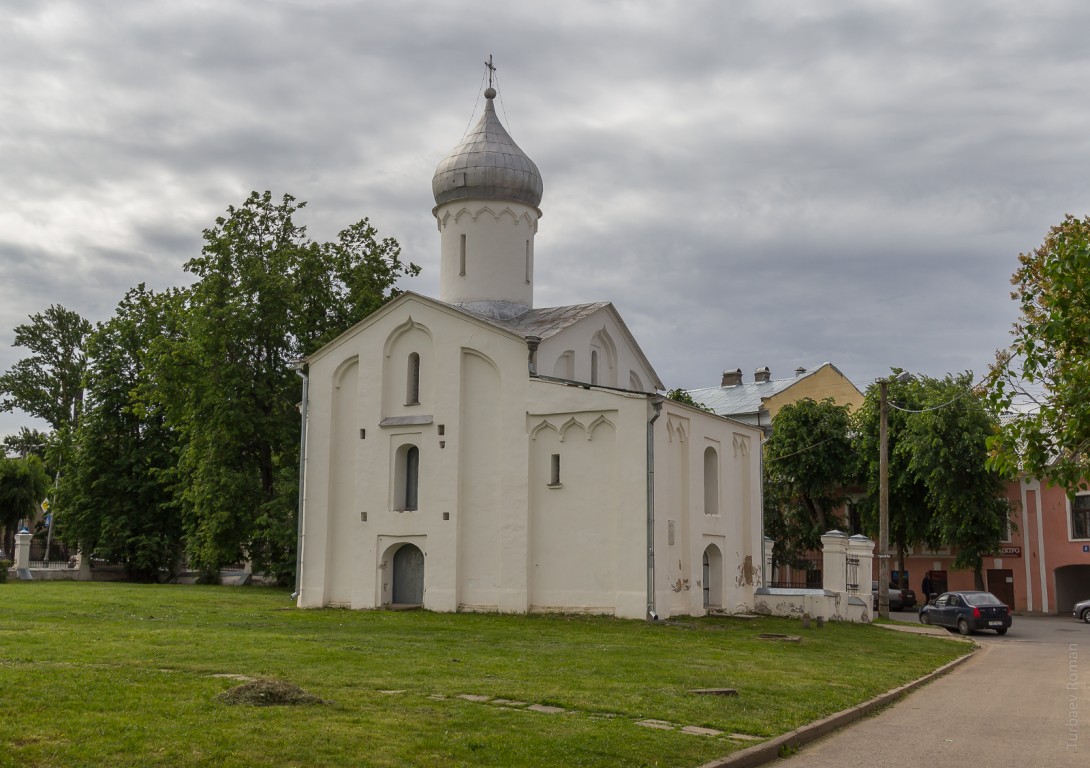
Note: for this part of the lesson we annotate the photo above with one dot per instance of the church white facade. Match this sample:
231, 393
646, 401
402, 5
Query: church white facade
473, 453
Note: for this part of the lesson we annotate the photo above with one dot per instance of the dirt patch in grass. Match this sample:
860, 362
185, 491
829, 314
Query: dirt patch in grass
268, 693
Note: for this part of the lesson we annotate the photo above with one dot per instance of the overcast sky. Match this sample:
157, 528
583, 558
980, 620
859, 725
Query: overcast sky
751, 183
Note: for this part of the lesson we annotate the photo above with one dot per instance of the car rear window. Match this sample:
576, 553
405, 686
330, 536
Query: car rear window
983, 598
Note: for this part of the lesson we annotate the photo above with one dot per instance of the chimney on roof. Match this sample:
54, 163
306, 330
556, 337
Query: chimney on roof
762, 375
799, 371
732, 378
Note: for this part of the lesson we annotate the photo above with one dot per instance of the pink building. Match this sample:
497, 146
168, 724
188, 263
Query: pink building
1044, 567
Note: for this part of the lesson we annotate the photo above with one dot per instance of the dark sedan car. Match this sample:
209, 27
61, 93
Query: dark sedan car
967, 612
1082, 611
899, 599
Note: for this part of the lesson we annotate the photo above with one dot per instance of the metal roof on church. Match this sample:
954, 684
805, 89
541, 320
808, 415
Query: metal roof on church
487, 164
549, 321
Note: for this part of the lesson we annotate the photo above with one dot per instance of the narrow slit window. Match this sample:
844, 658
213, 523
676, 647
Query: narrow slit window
412, 476
412, 391
462, 257
528, 270
594, 366
554, 470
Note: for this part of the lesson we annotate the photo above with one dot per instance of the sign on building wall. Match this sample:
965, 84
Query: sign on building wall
1010, 551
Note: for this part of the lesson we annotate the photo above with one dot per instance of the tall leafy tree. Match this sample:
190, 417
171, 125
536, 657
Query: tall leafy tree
118, 499
909, 513
23, 485
265, 295
27, 441
1046, 370
809, 469
942, 491
48, 383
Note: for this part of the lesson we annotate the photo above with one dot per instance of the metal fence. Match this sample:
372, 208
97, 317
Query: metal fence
851, 573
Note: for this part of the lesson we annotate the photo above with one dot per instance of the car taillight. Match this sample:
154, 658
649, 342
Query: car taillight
976, 612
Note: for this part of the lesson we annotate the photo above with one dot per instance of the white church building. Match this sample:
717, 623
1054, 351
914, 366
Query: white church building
475, 453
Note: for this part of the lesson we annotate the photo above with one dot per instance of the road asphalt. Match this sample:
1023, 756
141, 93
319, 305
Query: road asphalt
1022, 701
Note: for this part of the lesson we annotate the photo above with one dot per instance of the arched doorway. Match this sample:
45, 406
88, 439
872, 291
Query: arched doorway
713, 578
408, 587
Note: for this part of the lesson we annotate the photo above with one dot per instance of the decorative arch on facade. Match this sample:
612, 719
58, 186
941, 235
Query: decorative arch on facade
634, 381
603, 354
564, 367
677, 428
741, 445
407, 370
569, 425
711, 481
343, 368
545, 424
406, 327
602, 422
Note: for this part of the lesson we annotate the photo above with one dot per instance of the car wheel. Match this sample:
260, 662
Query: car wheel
963, 627
1086, 615
925, 619
1002, 631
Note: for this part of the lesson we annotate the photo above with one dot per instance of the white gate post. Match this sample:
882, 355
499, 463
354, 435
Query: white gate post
22, 555
834, 561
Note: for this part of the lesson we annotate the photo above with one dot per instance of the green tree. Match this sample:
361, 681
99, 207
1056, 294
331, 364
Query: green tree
1046, 370
681, 396
23, 486
942, 491
909, 513
809, 467
265, 296
26, 442
117, 500
49, 383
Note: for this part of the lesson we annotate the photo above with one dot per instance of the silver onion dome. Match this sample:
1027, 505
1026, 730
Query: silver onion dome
487, 164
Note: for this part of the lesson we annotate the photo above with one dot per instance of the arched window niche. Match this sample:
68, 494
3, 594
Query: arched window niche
412, 379
407, 478
711, 481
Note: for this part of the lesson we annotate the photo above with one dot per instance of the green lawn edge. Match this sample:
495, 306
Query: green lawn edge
130, 675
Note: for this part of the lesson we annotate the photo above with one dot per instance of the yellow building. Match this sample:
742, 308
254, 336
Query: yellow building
759, 401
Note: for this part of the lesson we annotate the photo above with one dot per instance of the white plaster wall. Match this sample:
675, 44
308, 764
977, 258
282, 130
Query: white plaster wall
382, 343
735, 530
580, 337
587, 537
497, 233
486, 433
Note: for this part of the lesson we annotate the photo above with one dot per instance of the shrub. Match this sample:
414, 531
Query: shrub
4, 566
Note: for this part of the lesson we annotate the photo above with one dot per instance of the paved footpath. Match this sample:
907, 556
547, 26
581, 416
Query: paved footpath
1022, 701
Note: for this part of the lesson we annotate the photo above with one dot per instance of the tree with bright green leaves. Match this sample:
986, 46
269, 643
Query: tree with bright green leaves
809, 468
23, 486
1043, 379
118, 499
48, 384
942, 492
265, 295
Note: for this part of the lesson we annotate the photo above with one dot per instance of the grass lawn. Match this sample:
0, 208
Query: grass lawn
99, 674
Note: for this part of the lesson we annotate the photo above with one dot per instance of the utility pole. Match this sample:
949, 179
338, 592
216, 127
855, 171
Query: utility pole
883, 499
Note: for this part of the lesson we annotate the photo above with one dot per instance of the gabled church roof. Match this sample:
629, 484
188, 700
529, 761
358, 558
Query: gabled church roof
543, 322
549, 321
